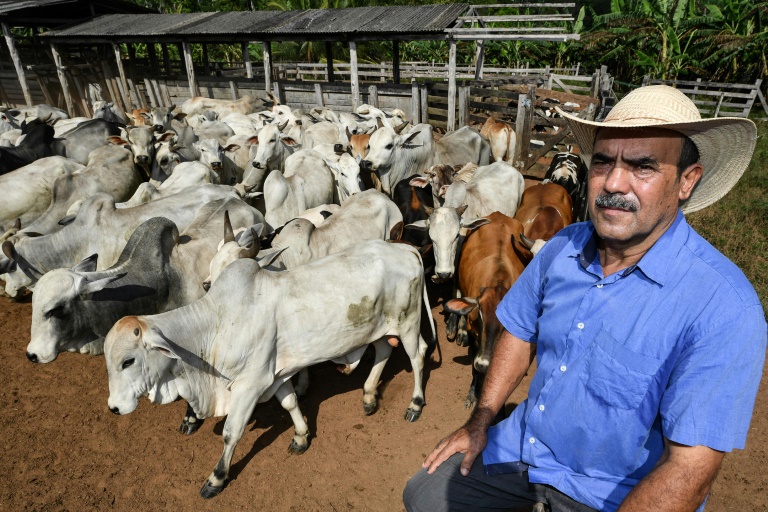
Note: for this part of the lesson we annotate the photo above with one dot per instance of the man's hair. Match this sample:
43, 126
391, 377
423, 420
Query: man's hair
689, 155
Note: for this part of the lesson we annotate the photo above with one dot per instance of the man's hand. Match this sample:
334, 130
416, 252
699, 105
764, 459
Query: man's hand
469, 440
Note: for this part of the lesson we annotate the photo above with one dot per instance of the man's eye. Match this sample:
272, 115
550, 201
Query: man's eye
127, 363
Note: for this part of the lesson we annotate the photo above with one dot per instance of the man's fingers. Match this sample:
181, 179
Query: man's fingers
466, 463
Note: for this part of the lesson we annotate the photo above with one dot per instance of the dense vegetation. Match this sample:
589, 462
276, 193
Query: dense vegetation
722, 40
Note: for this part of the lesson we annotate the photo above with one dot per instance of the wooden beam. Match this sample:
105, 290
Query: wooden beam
123, 79
63, 81
451, 122
354, 78
247, 60
396, 61
329, 60
17, 64
267, 65
190, 65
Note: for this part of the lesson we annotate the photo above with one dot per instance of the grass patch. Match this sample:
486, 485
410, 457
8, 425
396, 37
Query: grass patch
738, 224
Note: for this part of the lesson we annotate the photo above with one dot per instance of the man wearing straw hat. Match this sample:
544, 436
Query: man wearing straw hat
649, 343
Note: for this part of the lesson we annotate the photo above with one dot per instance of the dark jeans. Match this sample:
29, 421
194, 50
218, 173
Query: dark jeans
447, 490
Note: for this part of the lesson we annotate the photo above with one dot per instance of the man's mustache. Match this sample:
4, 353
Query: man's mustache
616, 201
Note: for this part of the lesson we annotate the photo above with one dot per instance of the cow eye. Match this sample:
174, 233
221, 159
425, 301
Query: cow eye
127, 363
57, 312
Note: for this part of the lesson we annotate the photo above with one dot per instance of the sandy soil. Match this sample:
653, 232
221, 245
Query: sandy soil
63, 450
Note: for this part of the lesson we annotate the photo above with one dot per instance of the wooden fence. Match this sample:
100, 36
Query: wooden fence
717, 99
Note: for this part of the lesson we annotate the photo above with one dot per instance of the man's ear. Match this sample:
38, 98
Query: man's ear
688, 180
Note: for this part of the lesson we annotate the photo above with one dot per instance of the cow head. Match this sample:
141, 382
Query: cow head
445, 225
57, 311
139, 360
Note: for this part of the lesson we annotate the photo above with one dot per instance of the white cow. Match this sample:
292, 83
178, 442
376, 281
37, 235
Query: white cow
241, 343
494, 188
28, 189
159, 270
395, 157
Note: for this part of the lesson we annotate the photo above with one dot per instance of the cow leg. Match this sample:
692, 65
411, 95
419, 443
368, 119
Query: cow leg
244, 400
417, 363
190, 423
462, 336
303, 383
287, 398
383, 350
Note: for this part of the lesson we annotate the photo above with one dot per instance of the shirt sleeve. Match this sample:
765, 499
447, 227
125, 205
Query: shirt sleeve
520, 308
711, 392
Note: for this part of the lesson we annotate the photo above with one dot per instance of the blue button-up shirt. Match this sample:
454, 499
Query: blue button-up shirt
670, 347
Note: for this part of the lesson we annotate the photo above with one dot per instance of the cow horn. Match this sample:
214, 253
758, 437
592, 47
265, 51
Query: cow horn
229, 235
527, 242
400, 128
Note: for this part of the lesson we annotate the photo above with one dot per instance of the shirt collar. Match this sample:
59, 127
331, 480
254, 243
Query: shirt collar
655, 264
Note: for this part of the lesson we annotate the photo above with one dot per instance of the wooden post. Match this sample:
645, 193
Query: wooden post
396, 61
63, 80
123, 81
479, 59
247, 61
329, 60
373, 96
424, 103
166, 58
319, 95
354, 78
267, 65
193, 91
451, 124
415, 109
17, 64
523, 126
463, 106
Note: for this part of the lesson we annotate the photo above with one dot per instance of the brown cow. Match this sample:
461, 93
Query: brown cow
502, 138
491, 261
544, 210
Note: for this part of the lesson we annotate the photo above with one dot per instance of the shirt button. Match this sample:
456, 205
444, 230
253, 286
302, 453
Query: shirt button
541, 407
563, 368
531, 440
580, 325
600, 285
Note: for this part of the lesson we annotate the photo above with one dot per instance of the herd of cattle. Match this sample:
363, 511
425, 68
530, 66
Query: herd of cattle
216, 250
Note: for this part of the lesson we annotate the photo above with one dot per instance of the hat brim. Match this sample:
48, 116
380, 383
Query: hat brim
725, 147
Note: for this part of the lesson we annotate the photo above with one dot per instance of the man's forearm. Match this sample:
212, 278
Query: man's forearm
509, 363
677, 483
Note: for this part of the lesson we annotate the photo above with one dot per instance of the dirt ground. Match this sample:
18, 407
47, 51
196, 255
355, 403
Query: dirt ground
63, 450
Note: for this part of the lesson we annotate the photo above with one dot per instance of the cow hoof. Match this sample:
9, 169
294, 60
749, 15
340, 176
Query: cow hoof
297, 448
412, 415
210, 491
369, 408
188, 428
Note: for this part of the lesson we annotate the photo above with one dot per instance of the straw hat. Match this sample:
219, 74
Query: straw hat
725, 144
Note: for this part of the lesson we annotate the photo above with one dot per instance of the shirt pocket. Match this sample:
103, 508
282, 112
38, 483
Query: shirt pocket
617, 376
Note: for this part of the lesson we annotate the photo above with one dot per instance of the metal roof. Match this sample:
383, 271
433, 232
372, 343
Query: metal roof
325, 24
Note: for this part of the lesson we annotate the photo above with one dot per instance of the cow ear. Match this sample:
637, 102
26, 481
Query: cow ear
420, 182
87, 265
463, 306
396, 233
118, 141
474, 223
156, 340
421, 225
91, 287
